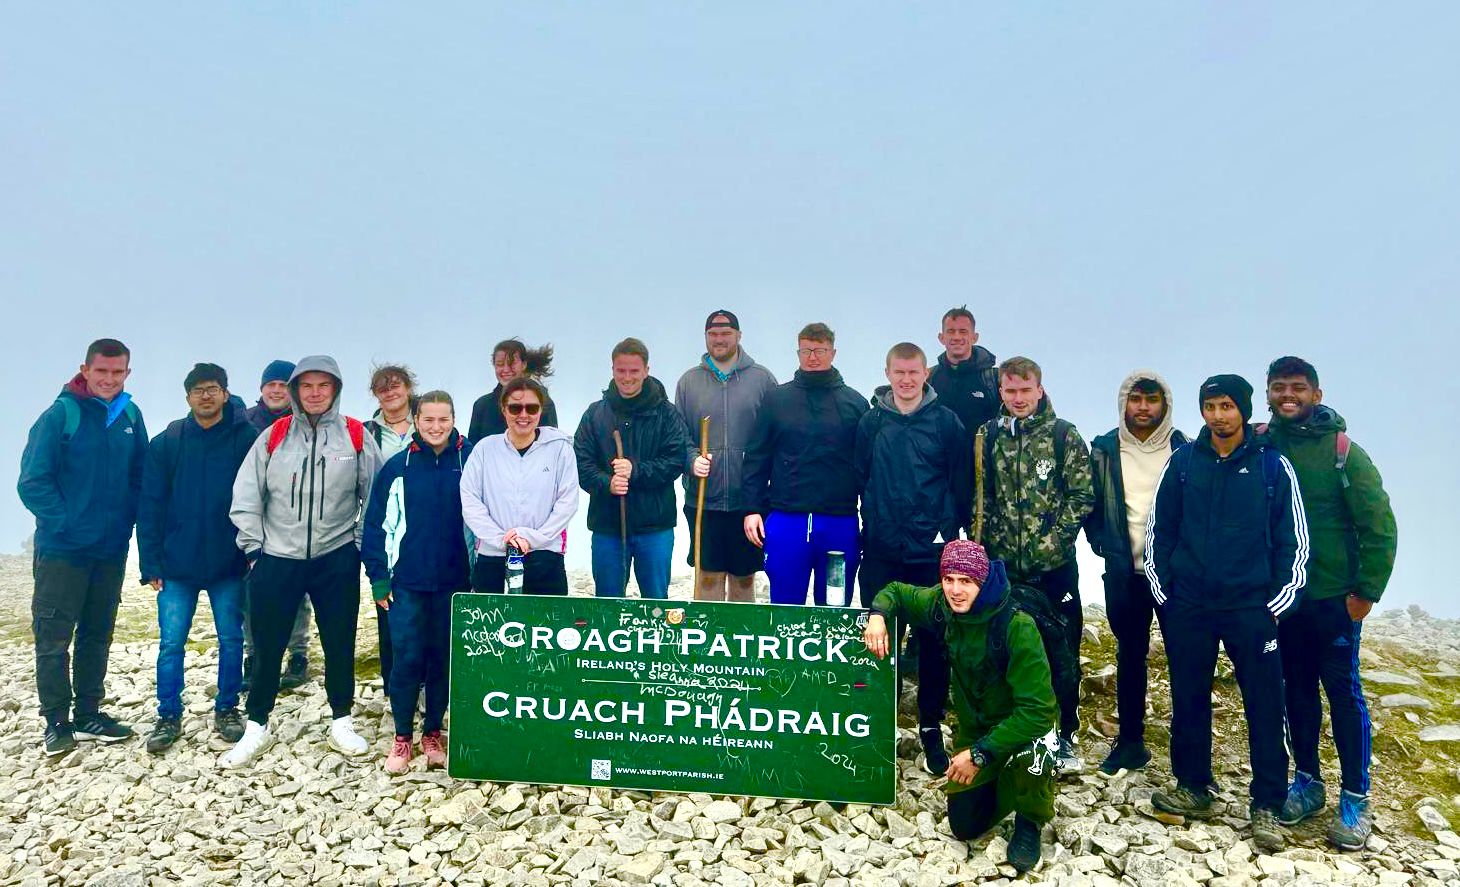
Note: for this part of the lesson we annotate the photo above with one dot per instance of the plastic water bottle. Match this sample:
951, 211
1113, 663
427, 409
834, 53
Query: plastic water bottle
836, 579
515, 569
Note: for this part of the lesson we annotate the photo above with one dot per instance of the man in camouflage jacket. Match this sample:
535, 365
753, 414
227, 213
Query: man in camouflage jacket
1032, 476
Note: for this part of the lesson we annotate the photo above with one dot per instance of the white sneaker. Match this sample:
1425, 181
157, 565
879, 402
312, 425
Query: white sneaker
345, 740
256, 738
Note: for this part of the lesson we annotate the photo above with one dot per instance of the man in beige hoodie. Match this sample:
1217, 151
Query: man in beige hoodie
1126, 465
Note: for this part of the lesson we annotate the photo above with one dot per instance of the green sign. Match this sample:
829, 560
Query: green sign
739, 699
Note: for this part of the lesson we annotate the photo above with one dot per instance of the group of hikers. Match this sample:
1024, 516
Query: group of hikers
953, 501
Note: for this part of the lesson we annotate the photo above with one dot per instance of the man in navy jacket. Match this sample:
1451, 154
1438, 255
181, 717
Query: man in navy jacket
1226, 556
80, 476
185, 543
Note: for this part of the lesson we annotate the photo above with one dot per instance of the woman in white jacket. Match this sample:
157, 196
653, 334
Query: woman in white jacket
521, 489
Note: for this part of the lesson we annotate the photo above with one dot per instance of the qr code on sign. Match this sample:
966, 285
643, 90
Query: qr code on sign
602, 769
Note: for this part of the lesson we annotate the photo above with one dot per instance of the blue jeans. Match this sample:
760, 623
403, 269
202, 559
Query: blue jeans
796, 545
420, 633
650, 554
176, 603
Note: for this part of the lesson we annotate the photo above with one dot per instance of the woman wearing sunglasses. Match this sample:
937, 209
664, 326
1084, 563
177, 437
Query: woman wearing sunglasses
520, 489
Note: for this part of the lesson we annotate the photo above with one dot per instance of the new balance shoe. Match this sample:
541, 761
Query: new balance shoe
256, 738
101, 727
164, 733
1353, 822
345, 740
1125, 756
935, 757
229, 724
60, 740
1306, 797
434, 748
1023, 853
399, 759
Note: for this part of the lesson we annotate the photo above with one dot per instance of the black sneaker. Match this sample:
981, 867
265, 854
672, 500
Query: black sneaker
1125, 756
163, 735
1193, 803
229, 724
60, 740
247, 673
935, 757
297, 672
1024, 844
101, 727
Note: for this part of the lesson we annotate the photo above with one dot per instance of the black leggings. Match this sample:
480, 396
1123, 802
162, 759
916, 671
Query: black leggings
276, 586
542, 573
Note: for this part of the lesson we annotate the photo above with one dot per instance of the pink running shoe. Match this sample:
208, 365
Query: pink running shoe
399, 759
434, 748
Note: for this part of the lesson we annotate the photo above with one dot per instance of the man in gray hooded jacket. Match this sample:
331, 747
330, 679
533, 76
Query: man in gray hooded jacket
297, 503
1125, 466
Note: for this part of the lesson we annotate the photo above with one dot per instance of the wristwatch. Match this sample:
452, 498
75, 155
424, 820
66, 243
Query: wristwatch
979, 757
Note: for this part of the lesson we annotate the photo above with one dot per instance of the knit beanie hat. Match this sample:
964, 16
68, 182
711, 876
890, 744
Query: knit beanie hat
967, 558
1233, 386
277, 371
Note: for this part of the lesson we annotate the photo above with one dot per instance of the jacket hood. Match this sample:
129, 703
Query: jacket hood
78, 388
1325, 420
1160, 439
1042, 413
981, 359
827, 378
883, 399
650, 396
743, 362
546, 434
316, 363
991, 596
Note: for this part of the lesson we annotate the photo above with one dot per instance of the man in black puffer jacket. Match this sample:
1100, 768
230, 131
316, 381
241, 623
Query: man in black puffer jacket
800, 483
654, 443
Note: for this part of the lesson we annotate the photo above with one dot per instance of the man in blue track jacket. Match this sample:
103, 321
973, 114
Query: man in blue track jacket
1226, 556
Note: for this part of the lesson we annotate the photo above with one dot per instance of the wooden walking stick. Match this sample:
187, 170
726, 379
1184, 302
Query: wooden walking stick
700, 501
976, 531
623, 514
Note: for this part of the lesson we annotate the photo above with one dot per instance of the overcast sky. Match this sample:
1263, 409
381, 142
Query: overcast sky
1196, 188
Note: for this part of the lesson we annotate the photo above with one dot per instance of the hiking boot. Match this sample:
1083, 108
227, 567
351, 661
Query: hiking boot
1306, 798
399, 759
434, 748
229, 724
1267, 835
60, 740
345, 740
1352, 822
101, 727
247, 674
1193, 803
164, 733
1067, 762
1024, 844
256, 738
297, 672
935, 757
1125, 756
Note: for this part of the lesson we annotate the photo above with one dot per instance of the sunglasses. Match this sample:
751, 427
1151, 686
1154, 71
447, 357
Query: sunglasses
531, 409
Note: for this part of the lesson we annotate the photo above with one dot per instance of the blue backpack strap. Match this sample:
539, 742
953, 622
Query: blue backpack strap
71, 418
1271, 467
1182, 460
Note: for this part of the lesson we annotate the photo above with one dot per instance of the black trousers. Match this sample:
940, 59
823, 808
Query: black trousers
1129, 606
1062, 586
876, 572
276, 585
543, 572
73, 598
387, 655
1250, 637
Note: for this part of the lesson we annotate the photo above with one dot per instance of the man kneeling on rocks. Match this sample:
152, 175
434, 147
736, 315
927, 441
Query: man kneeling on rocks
1006, 744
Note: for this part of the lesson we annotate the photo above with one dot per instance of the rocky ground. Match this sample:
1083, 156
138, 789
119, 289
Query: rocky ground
115, 815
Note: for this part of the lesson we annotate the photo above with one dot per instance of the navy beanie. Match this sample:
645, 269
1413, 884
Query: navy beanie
277, 371
1235, 387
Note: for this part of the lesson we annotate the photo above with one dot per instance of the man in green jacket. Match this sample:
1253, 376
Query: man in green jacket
1005, 748
1353, 537
1033, 491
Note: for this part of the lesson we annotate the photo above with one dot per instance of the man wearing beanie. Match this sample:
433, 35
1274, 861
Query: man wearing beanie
1004, 752
274, 405
1125, 463
1226, 556
185, 544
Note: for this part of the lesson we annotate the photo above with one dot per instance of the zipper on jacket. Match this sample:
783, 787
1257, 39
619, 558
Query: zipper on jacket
293, 482
309, 526
322, 487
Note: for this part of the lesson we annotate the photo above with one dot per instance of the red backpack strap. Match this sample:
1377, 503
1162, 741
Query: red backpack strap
278, 431
1340, 456
357, 434
1259, 428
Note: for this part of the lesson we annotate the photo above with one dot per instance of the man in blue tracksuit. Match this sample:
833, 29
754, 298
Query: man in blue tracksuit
185, 543
800, 480
415, 552
80, 475
1226, 556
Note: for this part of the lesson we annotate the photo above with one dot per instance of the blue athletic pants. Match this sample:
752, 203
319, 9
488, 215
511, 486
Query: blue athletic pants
796, 545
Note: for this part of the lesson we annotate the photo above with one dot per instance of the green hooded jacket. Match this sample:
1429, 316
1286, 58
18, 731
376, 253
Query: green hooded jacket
1352, 532
1033, 509
999, 713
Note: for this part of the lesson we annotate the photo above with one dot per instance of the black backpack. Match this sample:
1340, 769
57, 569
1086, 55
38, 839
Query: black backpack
1064, 667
